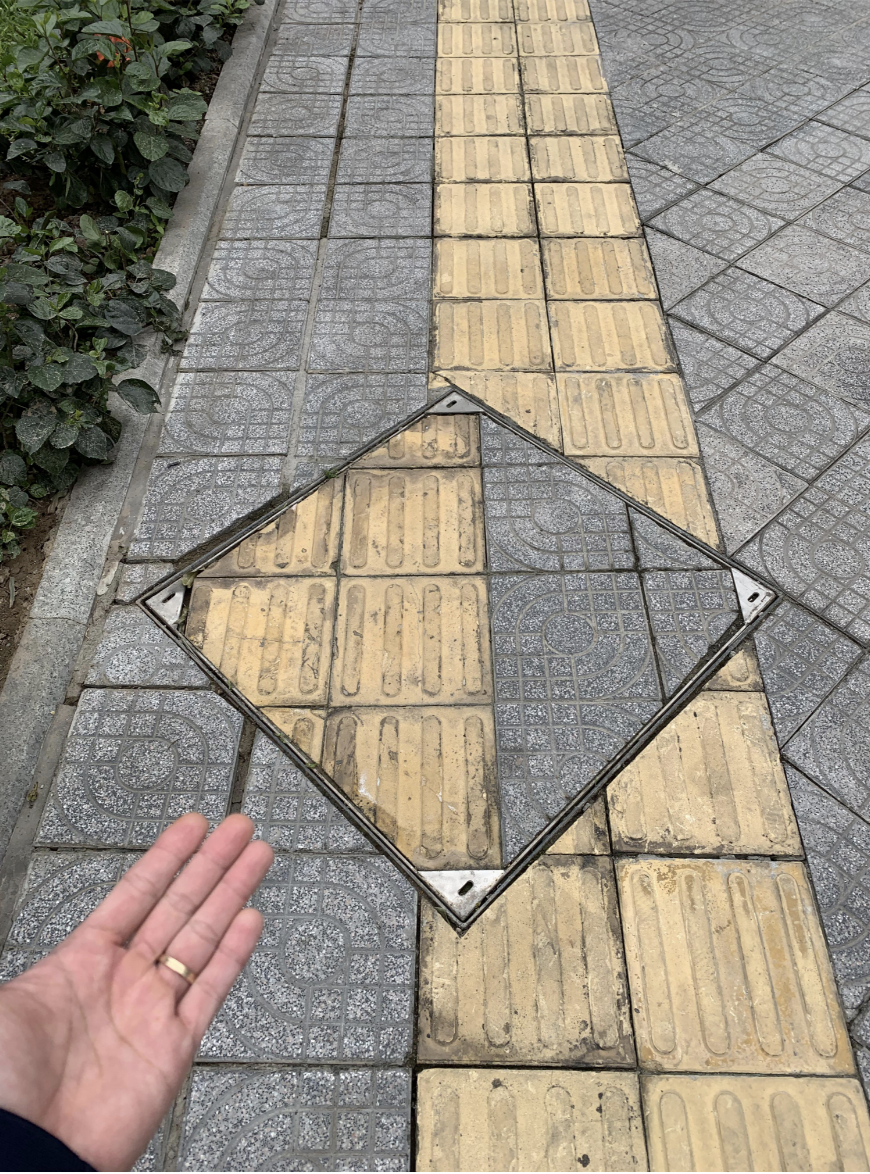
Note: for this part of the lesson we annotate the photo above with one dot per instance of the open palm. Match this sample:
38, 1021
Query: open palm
96, 1038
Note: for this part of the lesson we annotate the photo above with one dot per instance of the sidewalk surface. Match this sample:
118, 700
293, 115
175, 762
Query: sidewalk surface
424, 196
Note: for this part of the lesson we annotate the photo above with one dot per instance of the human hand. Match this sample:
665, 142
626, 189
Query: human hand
97, 1037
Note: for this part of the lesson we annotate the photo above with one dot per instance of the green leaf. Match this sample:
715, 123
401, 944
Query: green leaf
93, 443
107, 28
26, 57
22, 516
34, 428
172, 48
79, 368
123, 201
13, 470
42, 309
56, 160
140, 77
78, 131
89, 230
47, 378
104, 149
104, 90
139, 395
159, 207
53, 460
162, 279
185, 106
152, 147
125, 317
20, 147
168, 174
8, 228
16, 293
64, 435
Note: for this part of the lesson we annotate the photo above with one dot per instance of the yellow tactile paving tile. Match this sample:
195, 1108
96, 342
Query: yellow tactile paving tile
469, 75
500, 158
519, 1119
556, 38
304, 728
412, 641
585, 114
551, 10
755, 1123
478, 114
451, 441
492, 336
598, 268
671, 486
562, 75
413, 522
609, 336
526, 396
586, 209
625, 415
729, 969
479, 11
487, 269
584, 158
476, 40
538, 980
710, 783
741, 672
587, 836
270, 637
424, 776
303, 541
484, 209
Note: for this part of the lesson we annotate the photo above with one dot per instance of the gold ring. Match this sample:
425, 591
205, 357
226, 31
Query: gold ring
178, 967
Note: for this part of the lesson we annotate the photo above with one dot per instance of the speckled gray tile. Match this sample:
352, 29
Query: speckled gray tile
61, 889
688, 611
260, 269
790, 422
278, 212
298, 1119
381, 160
723, 65
846, 64
189, 501
377, 268
717, 224
858, 303
730, 468
845, 217
289, 811
753, 35
305, 40
694, 149
638, 123
136, 577
809, 264
825, 149
137, 759
224, 412
709, 366
370, 335
802, 92
499, 446
245, 336
288, 74
659, 550
332, 977
390, 115
777, 186
852, 114
303, 114
862, 183
378, 75
382, 209
834, 353
283, 161
654, 186
407, 40
132, 650
321, 11
748, 120
679, 268
819, 547
801, 661
666, 92
748, 312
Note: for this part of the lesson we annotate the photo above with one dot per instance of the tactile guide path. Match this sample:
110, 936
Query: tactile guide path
657, 992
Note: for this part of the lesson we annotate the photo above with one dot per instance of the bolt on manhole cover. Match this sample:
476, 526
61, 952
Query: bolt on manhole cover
460, 637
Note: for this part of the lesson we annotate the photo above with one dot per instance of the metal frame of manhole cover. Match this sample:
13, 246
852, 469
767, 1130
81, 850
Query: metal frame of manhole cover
462, 894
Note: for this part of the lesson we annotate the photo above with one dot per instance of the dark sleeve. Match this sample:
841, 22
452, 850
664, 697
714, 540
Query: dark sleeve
25, 1146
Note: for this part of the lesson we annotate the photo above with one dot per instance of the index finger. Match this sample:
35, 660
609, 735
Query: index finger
142, 886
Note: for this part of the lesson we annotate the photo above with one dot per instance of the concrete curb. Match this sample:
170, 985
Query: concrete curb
53, 636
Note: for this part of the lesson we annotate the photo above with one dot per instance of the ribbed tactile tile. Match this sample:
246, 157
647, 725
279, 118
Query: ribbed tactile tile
625, 415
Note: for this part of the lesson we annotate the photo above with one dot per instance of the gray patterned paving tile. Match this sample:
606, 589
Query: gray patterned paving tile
658, 549
409, 40
730, 468
332, 977
846, 65
862, 183
382, 209
655, 187
722, 65
788, 421
260, 269
298, 1119
189, 501
773, 41
289, 811
370, 335
61, 889
245, 336
852, 114
688, 611
225, 412
389, 14
819, 547
137, 759
666, 92
717, 224
835, 353
709, 366
376, 269
288, 74
381, 160
695, 149
637, 123
845, 217
285, 211
283, 161
378, 75
748, 120
499, 446
132, 650
825, 149
305, 114
390, 115
322, 40
809, 264
858, 303
799, 91
776, 185
137, 577
320, 11
679, 268
748, 312
801, 661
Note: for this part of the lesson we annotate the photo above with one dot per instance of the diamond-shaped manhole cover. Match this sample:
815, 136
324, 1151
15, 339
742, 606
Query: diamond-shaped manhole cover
460, 637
